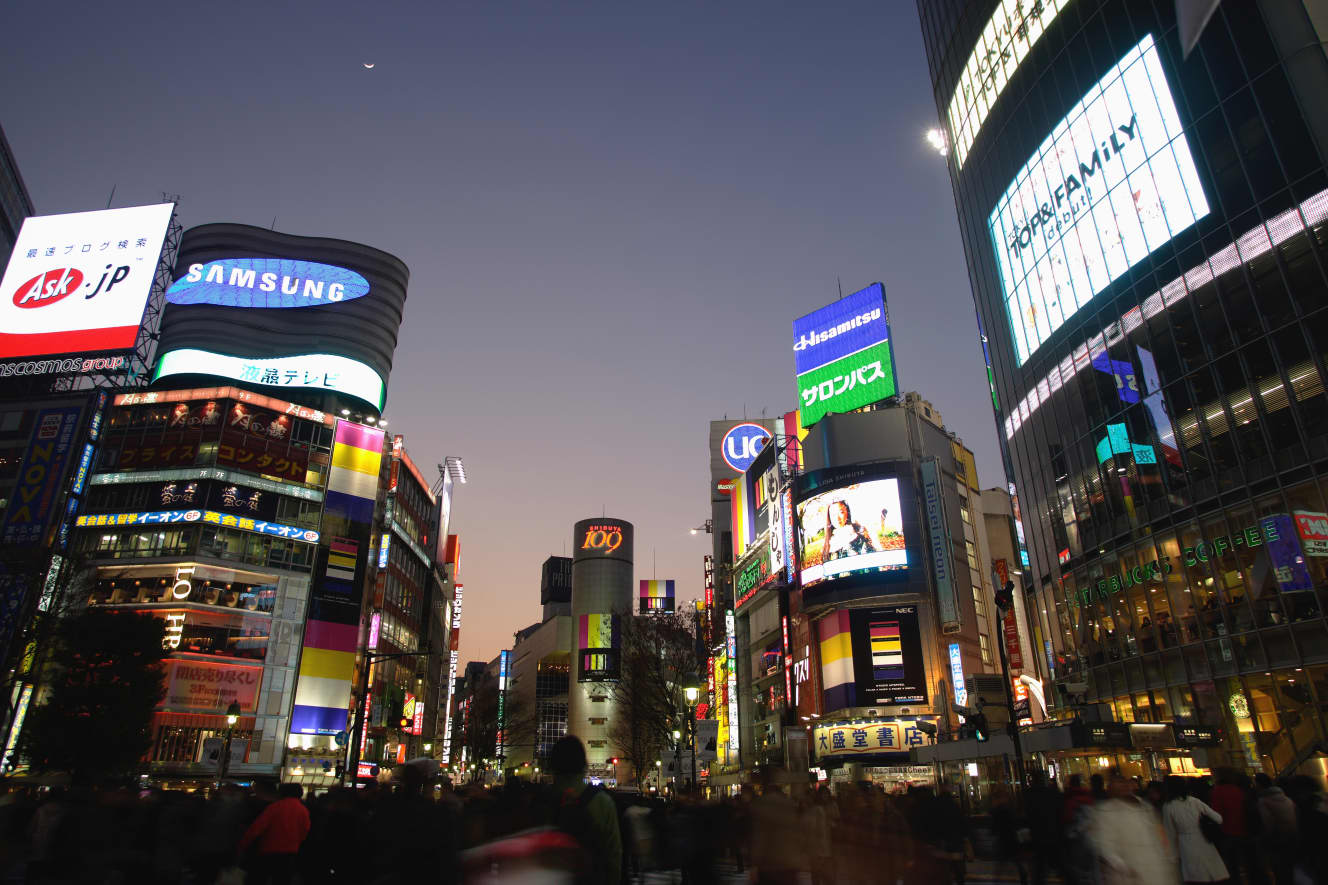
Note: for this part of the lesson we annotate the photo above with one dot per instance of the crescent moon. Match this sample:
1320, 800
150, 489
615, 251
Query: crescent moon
368, 66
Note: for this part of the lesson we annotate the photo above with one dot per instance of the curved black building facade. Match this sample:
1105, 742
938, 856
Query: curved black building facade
1145, 236
309, 319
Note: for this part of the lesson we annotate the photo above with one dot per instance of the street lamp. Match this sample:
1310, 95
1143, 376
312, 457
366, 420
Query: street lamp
232, 716
692, 691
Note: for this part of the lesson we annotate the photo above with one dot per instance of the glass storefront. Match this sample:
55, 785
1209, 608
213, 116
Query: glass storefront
1167, 429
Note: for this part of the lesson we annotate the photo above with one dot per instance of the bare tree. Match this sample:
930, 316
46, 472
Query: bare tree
657, 653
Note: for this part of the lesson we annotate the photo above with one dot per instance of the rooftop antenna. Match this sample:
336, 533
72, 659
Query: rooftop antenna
112, 196
274, 222
652, 563
840, 284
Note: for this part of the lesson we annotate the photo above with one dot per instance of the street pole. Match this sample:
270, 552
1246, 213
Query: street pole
352, 770
224, 763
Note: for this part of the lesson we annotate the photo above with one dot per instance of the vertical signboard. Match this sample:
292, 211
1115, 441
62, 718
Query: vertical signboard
500, 741
1014, 653
41, 476
453, 656
957, 675
327, 662
938, 537
731, 637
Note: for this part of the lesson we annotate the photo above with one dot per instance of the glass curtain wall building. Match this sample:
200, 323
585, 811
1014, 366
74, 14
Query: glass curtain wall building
1145, 235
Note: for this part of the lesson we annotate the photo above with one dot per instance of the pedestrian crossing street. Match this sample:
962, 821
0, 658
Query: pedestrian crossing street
979, 872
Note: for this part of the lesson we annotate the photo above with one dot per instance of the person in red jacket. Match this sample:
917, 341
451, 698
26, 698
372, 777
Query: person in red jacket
276, 836
1231, 799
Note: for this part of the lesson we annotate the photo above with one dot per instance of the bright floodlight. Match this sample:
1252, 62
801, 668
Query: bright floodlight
936, 138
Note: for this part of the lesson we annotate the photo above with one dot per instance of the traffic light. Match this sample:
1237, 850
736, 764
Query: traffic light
979, 723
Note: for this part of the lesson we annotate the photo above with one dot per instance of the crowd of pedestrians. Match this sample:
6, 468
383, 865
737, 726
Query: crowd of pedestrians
1110, 831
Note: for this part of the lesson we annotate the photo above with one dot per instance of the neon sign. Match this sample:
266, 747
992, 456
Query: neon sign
603, 537
211, 517
1008, 37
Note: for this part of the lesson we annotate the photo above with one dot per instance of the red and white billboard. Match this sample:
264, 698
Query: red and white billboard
79, 282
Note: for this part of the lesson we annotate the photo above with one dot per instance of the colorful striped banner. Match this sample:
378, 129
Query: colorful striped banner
744, 519
327, 662
657, 596
837, 661
886, 650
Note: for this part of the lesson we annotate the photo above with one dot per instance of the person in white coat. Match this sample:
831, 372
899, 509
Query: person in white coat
1199, 858
1128, 840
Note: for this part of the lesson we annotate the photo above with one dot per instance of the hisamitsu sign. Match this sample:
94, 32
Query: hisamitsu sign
842, 355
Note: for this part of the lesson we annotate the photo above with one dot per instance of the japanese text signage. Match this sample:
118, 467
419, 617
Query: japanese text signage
41, 475
1313, 530
192, 685
843, 355
957, 675
79, 282
1112, 182
207, 517
867, 738
298, 372
1009, 35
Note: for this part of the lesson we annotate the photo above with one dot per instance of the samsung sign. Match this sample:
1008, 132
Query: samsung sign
266, 282
1112, 182
842, 355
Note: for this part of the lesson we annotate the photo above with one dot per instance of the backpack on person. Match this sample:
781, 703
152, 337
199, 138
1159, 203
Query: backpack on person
572, 818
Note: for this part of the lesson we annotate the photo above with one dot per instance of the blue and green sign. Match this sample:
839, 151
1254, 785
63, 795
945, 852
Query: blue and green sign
843, 357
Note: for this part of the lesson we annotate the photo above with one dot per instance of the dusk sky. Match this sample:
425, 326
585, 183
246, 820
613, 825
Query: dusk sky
611, 213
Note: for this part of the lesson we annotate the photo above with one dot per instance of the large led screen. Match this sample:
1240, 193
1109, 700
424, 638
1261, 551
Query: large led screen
1112, 182
851, 530
79, 282
842, 355
300, 372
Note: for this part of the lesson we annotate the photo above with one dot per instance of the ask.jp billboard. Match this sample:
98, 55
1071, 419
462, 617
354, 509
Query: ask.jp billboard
842, 355
78, 283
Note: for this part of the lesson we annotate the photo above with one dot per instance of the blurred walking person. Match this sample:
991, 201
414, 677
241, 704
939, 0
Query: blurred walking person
1277, 828
1199, 858
1128, 840
276, 836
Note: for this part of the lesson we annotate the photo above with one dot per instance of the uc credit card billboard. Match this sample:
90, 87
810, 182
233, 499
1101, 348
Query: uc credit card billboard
842, 355
79, 282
